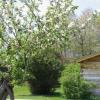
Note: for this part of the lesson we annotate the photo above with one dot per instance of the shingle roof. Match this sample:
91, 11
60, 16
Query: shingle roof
84, 58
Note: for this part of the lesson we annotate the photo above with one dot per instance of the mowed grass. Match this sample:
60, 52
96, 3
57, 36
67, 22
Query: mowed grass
22, 92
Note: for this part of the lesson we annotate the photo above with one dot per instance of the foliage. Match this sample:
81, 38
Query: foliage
32, 45
73, 85
84, 38
45, 69
27, 34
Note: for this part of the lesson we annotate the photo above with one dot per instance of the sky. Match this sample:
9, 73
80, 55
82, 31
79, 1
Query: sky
84, 4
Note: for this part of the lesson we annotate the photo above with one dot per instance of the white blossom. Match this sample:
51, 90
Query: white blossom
71, 24
89, 19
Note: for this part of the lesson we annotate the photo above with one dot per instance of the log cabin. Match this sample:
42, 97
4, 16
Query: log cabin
90, 69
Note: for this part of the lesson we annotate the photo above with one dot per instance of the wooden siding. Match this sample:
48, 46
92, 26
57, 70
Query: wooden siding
91, 72
90, 65
90, 69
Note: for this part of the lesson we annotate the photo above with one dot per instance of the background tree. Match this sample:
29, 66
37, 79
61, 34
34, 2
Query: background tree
84, 38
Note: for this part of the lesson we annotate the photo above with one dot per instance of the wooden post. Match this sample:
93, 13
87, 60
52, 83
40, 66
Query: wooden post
5, 90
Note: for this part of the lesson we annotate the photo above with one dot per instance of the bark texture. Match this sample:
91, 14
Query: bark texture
5, 90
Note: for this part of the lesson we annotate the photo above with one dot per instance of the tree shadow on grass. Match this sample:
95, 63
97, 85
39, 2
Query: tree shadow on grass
56, 94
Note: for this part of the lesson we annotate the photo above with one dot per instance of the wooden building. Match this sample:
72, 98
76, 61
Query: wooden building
91, 68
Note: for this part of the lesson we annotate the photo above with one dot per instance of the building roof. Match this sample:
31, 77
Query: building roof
90, 58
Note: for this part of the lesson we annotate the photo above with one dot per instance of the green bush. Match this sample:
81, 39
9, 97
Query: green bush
17, 72
85, 88
73, 85
45, 69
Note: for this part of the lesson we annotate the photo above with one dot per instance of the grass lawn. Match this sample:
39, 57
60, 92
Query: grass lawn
22, 92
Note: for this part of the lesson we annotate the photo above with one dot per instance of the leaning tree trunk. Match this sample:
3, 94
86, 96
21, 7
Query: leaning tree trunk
5, 90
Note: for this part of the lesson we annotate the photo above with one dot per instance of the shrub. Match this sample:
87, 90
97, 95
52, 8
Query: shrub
17, 72
45, 69
73, 85
85, 93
